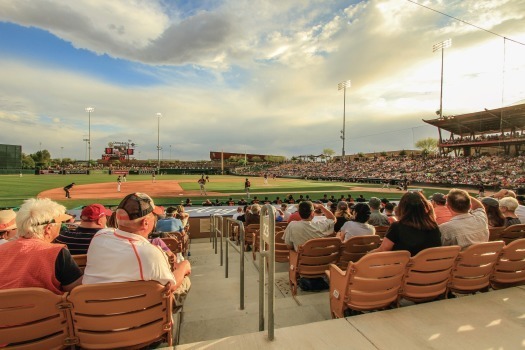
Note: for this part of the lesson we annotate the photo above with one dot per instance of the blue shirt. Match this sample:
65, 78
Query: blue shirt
169, 225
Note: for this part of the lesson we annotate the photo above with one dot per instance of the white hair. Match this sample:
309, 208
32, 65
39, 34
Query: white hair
509, 202
35, 212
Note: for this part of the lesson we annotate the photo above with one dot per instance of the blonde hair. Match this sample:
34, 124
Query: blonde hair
33, 214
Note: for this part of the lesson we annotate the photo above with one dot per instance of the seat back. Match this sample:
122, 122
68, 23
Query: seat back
495, 233
183, 239
248, 233
81, 260
473, 267
428, 273
381, 231
32, 318
174, 244
312, 259
375, 280
356, 247
282, 253
117, 315
316, 255
513, 233
510, 267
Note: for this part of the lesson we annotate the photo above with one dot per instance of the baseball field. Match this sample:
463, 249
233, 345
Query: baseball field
173, 189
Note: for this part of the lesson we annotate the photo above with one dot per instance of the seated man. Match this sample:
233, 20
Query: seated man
170, 223
125, 254
441, 212
93, 218
469, 223
376, 218
298, 232
32, 260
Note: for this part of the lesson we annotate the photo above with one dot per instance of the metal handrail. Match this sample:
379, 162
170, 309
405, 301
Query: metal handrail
267, 235
215, 222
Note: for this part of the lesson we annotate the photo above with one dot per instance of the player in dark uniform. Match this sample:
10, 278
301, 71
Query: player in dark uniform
68, 188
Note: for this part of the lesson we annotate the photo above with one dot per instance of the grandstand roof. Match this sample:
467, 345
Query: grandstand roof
483, 122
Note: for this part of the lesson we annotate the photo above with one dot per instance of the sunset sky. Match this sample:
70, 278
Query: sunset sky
249, 76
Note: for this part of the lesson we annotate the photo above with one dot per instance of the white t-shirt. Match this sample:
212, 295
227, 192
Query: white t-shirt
118, 256
298, 232
354, 228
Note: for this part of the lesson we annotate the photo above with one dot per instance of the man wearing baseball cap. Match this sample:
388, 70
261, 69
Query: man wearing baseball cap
93, 218
441, 211
32, 260
125, 254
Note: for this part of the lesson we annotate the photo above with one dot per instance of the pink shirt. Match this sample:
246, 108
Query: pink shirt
442, 214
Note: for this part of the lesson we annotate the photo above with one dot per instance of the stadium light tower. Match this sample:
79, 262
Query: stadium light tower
441, 46
159, 115
342, 86
89, 110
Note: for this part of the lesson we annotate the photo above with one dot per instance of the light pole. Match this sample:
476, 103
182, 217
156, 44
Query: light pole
342, 86
89, 110
61, 154
85, 139
441, 46
159, 115
170, 153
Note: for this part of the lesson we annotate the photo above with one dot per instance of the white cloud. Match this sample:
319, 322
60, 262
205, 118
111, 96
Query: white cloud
273, 67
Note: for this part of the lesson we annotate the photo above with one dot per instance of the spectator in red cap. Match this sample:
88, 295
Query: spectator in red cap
93, 218
125, 254
32, 260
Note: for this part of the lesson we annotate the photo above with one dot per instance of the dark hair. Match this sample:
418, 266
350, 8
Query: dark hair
458, 200
362, 212
414, 210
494, 215
305, 209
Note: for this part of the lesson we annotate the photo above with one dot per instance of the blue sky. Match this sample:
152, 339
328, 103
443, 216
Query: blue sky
245, 76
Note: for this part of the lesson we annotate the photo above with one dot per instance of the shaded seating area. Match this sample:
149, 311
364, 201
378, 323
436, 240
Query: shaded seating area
99, 316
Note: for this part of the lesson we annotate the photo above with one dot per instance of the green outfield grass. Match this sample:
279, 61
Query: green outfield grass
14, 189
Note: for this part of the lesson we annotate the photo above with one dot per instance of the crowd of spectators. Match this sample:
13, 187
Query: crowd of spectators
499, 171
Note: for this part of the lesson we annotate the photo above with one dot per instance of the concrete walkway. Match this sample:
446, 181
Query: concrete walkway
213, 320
212, 308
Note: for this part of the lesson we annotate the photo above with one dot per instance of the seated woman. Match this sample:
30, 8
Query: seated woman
32, 260
416, 229
342, 215
358, 226
494, 214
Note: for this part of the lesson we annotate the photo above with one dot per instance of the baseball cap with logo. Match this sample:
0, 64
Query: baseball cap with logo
7, 220
137, 205
94, 212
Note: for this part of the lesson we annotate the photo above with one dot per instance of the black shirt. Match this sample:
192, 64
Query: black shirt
66, 269
409, 238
